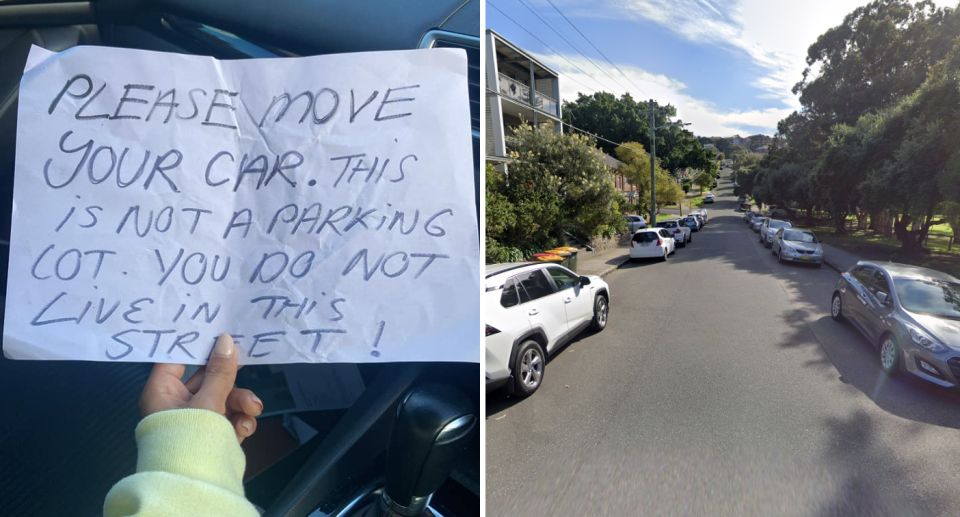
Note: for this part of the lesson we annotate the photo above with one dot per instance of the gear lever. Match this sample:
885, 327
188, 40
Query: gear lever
430, 434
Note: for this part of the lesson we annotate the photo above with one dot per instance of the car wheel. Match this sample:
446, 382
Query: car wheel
665, 255
528, 368
780, 257
836, 308
889, 354
691, 237
767, 244
600, 312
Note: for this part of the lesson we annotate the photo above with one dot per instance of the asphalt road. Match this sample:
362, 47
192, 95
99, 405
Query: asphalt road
721, 386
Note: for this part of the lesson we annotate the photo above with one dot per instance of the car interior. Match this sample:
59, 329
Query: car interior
411, 433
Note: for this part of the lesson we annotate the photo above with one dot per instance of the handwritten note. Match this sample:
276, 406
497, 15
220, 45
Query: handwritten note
320, 209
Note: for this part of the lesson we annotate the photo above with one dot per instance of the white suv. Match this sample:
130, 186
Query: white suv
533, 309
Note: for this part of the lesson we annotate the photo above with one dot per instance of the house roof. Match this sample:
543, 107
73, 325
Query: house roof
610, 161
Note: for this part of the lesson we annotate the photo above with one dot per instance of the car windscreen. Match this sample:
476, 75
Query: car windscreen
690, 221
929, 296
667, 224
796, 236
780, 224
645, 237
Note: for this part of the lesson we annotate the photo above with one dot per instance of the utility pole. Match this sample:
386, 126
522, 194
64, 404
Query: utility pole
653, 165
653, 159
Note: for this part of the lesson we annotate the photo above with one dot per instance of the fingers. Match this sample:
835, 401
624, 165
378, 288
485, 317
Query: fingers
218, 377
242, 401
196, 380
162, 383
244, 425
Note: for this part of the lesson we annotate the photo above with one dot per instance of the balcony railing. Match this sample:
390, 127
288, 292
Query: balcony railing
518, 91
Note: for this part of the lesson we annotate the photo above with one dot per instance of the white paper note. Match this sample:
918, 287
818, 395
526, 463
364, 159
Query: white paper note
320, 209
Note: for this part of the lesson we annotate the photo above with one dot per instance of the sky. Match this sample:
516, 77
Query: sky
727, 65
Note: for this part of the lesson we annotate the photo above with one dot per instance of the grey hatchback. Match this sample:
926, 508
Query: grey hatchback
910, 313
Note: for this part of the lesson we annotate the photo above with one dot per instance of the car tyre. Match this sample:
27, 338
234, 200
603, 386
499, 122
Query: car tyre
889, 355
780, 257
528, 368
767, 244
665, 255
836, 307
601, 309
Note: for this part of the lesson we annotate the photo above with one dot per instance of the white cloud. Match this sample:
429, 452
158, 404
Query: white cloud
707, 119
774, 34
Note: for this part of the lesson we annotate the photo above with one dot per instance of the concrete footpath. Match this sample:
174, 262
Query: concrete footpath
838, 259
604, 263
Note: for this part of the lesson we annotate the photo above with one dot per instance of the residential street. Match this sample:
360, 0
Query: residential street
721, 386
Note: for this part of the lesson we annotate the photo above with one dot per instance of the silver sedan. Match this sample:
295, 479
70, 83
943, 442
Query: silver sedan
793, 245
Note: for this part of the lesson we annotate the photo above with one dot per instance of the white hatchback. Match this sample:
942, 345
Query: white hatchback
533, 309
652, 243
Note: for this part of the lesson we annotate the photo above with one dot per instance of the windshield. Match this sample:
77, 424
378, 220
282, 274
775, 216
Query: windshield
780, 224
929, 296
796, 236
667, 224
645, 237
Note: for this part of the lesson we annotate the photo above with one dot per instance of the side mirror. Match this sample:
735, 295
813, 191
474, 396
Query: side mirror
584, 280
883, 298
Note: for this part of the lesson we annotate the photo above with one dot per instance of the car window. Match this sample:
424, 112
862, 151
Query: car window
664, 233
644, 237
510, 296
667, 224
534, 285
879, 285
929, 296
780, 224
863, 273
563, 278
793, 235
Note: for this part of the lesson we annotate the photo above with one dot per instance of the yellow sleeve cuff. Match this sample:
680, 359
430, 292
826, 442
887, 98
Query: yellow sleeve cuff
194, 443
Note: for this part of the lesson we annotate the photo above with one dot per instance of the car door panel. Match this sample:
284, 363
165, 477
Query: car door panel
854, 299
874, 313
577, 299
543, 305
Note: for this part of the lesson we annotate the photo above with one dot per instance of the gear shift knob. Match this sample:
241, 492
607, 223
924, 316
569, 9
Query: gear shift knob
430, 434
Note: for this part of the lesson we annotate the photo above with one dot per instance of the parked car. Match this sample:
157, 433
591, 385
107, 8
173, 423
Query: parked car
652, 243
782, 211
680, 232
757, 222
748, 217
793, 245
692, 223
532, 310
910, 314
709, 197
635, 222
699, 218
768, 230
703, 215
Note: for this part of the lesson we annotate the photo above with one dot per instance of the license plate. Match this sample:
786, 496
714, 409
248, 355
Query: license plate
804, 258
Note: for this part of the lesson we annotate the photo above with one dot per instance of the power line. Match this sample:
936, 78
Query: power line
551, 48
535, 13
597, 49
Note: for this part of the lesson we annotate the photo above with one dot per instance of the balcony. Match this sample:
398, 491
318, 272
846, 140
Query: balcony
520, 92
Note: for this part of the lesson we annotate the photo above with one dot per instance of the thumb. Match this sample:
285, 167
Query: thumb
220, 375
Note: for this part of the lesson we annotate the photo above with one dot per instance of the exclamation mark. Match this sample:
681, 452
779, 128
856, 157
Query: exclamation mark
376, 341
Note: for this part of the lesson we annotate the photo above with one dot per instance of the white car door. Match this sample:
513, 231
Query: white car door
543, 305
578, 299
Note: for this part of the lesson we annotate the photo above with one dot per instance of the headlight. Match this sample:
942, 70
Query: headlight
924, 340
819, 251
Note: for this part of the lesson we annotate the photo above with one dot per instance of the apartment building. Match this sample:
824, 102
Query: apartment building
518, 89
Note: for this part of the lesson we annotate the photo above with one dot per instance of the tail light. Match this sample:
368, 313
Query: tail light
631, 244
659, 242
491, 331
678, 231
